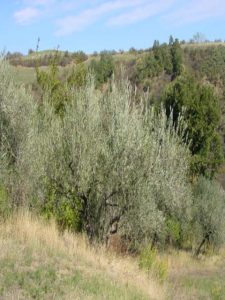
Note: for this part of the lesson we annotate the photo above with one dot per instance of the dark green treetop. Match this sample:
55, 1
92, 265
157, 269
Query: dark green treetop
200, 107
177, 59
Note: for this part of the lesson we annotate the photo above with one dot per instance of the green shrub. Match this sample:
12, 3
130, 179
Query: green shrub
102, 69
106, 163
147, 67
5, 205
52, 88
199, 106
150, 262
147, 258
173, 230
78, 78
208, 213
217, 291
65, 208
161, 270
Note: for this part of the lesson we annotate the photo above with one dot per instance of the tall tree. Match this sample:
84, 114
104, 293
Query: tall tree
171, 40
177, 59
200, 108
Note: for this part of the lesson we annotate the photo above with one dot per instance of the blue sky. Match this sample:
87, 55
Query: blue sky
94, 25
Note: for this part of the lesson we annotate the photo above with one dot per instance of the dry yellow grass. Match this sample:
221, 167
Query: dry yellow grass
23, 232
192, 278
37, 261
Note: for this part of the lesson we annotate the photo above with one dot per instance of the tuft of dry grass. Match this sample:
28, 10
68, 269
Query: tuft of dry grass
33, 246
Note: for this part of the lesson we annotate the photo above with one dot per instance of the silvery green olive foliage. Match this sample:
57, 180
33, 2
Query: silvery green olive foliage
16, 112
208, 213
123, 165
120, 165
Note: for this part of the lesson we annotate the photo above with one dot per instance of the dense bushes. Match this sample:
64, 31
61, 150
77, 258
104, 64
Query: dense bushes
201, 111
107, 156
106, 164
207, 62
17, 110
102, 69
208, 213
162, 58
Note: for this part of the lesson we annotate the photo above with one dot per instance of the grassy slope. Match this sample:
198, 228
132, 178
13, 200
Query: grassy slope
27, 76
36, 262
53, 278
202, 279
23, 75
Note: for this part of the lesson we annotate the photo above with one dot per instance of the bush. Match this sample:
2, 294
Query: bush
147, 258
64, 208
200, 108
150, 262
52, 86
78, 78
173, 230
105, 164
17, 110
102, 69
208, 214
147, 67
5, 207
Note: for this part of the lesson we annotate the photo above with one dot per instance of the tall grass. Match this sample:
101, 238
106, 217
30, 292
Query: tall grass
37, 262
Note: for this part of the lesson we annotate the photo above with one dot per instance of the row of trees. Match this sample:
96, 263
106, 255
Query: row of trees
46, 59
163, 58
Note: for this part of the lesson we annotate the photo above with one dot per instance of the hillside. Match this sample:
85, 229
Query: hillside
109, 169
38, 262
150, 70
204, 60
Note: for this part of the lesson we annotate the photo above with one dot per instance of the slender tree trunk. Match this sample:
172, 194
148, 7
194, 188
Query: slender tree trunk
206, 238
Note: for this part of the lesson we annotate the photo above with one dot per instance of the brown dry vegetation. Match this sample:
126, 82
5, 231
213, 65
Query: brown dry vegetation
202, 278
38, 262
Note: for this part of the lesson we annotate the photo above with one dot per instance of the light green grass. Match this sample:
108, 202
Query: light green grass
31, 277
200, 279
206, 286
36, 262
23, 75
27, 75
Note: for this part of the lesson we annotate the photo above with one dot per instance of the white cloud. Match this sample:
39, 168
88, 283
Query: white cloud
141, 13
74, 23
197, 11
38, 2
26, 15
77, 15
32, 10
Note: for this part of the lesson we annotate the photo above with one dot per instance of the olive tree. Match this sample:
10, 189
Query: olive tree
208, 215
107, 164
121, 164
16, 112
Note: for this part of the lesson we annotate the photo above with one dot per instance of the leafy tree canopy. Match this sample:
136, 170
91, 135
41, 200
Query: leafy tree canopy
200, 108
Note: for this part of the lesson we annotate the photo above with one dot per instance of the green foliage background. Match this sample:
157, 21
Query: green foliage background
103, 157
